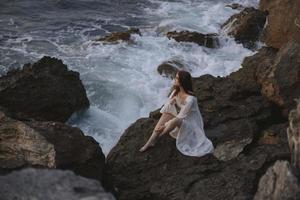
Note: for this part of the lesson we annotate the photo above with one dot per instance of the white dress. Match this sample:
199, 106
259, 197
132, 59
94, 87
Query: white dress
190, 137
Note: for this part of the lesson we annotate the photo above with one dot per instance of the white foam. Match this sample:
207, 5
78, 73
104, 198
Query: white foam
202, 16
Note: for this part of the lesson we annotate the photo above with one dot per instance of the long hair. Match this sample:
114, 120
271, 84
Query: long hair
186, 81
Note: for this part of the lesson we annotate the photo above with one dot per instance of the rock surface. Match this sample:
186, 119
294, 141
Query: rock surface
283, 22
237, 118
293, 133
170, 68
46, 184
45, 90
281, 180
246, 26
278, 183
207, 40
163, 172
235, 6
50, 145
277, 73
116, 37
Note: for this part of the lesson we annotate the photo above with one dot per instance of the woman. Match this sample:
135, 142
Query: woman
187, 125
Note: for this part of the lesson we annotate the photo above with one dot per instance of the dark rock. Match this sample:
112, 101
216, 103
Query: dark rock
232, 113
276, 72
283, 22
280, 182
235, 6
163, 172
49, 184
45, 90
286, 76
274, 134
170, 68
207, 40
155, 114
246, 26
254, 68
115, 37
49, 145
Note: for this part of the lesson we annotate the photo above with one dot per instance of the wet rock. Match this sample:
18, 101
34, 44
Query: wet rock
48, 145
170, 68
246, 26
45, 90
207, 40
235, 6
116, 37
283, 22
49, 184
278, 183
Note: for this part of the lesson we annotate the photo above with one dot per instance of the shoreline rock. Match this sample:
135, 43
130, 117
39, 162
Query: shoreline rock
278, 183
283, 22
170, 68
45, 90
115, 37
246, 26
235, 6
48, 144
277, 74
207, 40
281, 181
50, 184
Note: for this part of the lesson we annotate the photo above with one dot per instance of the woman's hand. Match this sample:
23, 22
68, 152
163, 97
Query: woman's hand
173, 100
161, 128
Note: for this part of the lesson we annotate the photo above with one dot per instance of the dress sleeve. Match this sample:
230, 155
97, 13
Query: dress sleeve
169, 106
184, 111
171, 94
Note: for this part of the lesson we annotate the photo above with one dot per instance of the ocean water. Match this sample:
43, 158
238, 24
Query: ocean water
121, 80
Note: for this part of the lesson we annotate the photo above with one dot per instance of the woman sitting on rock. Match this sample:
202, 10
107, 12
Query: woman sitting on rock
187, 125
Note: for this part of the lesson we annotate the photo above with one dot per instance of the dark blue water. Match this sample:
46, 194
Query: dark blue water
63, 22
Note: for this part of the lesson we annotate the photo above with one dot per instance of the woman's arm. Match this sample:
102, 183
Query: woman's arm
171, 95
184, 111
172, 123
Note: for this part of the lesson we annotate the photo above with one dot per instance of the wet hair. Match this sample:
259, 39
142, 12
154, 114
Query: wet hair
186, 81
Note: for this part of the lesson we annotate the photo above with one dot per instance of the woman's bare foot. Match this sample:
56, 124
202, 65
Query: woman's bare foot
153, 139
145, 147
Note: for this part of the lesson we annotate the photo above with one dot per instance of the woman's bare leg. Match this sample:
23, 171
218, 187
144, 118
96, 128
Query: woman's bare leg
171, 125
162, 120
